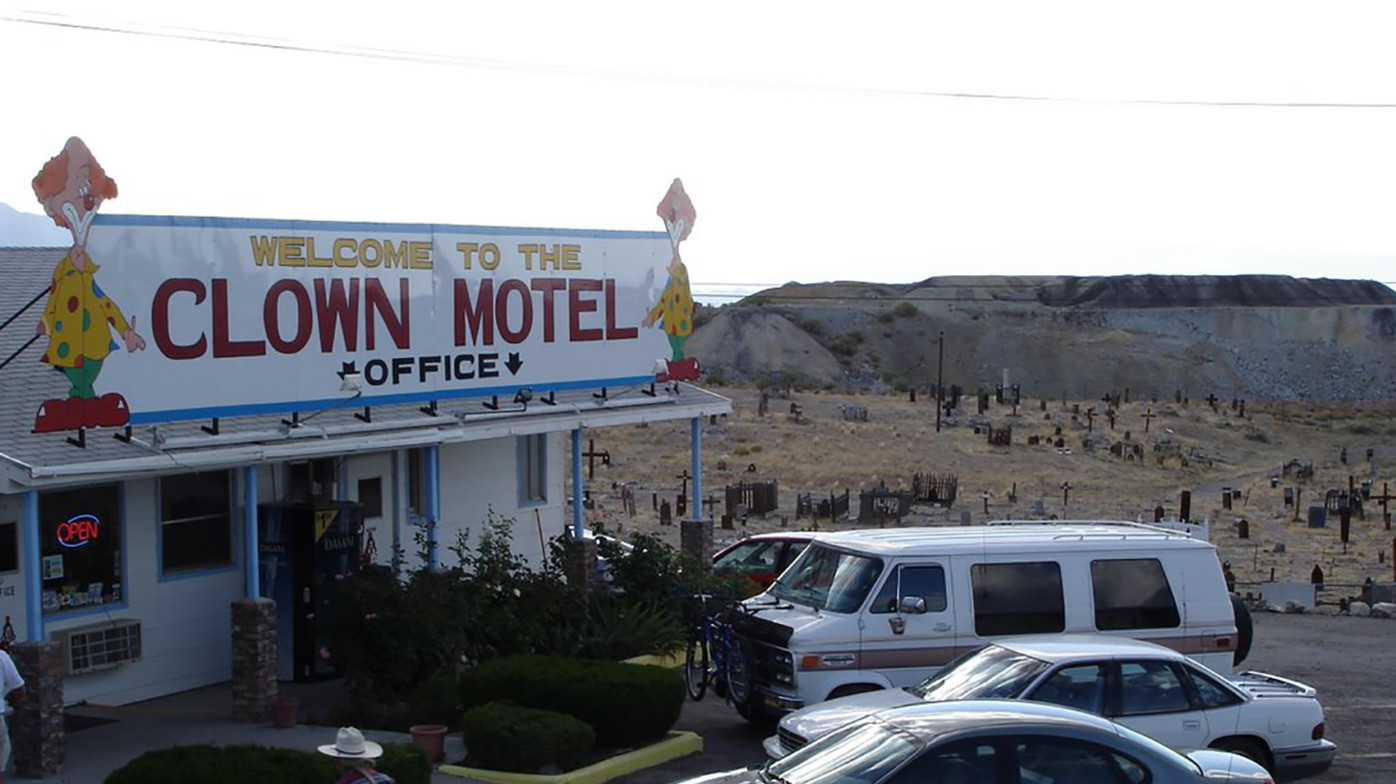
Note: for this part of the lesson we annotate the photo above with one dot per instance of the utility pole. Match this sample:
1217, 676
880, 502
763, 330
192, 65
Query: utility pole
940, 385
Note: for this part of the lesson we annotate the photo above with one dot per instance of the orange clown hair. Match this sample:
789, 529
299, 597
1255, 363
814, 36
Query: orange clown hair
53, 177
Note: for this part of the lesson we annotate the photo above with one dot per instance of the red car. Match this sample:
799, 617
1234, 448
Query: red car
761, 558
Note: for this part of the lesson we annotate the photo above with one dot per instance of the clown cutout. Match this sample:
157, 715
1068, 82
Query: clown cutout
675, 306
81, 323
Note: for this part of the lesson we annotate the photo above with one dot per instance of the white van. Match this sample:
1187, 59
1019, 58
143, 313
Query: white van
872, 609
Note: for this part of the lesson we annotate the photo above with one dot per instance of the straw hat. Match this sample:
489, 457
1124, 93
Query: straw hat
349, 743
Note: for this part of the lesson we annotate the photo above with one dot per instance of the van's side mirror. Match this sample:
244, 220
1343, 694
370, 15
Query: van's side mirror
913, 605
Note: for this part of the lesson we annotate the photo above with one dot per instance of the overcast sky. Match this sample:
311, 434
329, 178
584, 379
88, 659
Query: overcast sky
816, 141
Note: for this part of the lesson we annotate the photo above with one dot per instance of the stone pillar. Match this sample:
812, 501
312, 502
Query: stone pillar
696, 540
579, 562
254, 659
36, 728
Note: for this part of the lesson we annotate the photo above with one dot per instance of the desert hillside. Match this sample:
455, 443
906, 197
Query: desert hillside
1256, 337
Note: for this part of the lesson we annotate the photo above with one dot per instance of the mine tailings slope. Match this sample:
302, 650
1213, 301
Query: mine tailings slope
1250, 336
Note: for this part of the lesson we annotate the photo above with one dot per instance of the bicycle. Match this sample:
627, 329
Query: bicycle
717, 656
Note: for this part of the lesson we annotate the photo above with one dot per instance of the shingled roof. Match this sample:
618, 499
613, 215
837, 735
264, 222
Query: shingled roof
29, 459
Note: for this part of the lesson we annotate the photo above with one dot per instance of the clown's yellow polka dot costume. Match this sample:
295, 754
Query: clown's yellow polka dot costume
79, 317
675, 308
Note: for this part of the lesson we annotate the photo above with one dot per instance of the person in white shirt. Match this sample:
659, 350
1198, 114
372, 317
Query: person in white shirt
11, 686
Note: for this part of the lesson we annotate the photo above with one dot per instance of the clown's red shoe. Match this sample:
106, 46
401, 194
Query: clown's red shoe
58, 414
685, 369
109, 410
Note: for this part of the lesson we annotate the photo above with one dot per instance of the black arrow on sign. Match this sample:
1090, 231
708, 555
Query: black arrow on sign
513, 363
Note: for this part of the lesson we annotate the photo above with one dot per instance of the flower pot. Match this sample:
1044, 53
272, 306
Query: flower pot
431, 738
283, 712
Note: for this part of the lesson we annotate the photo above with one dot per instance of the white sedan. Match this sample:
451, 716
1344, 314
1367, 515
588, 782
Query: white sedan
1146, 687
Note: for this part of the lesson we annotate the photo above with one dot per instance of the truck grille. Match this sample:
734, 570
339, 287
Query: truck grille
789, 740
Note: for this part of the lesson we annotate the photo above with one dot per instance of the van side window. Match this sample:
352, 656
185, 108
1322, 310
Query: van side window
1018, 598
928, 582
1132, 594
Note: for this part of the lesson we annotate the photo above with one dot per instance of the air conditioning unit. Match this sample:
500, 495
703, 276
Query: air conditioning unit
100, 646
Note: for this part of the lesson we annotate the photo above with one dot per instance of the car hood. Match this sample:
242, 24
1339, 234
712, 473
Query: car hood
775, 624
1225, 766
738, 776
822, 718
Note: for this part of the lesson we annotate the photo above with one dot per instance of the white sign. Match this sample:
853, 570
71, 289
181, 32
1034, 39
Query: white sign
259, 316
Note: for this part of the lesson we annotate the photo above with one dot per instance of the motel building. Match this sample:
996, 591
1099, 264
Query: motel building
299, 399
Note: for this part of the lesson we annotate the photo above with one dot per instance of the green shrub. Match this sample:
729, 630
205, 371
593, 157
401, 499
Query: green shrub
504, 736
813, 326
846, 344
225, 765
626, 704
406, 763
622, 629
905, 310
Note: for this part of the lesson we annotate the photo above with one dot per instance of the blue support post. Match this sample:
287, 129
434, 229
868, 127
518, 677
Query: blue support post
33, 606
249, 531
433, 493
696, 436
578, 519
341, 479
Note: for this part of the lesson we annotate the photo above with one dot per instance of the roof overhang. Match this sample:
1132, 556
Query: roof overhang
398, 427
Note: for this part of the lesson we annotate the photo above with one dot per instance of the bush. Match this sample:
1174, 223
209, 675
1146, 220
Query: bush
504, 736
626, 704
406, 763
846, 344
905, 310
225, 765
489, 604
622, 629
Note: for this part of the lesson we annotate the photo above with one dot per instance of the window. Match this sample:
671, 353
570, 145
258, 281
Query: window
990, 673
533, 469
751, 557
1150, 687
196, 521
1132, 594
371, 496
1062, 761
1209, 692
1017, 598
311, 480
927, 582
9, 547
1081, 687
828, 579
416, 482
973, 762
80, 547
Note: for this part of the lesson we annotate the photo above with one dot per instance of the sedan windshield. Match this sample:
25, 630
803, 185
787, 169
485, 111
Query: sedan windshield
860, 753
828, 579
987, 673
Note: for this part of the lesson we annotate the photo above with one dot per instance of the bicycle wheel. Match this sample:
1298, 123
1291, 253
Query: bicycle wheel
695, 665
738, 670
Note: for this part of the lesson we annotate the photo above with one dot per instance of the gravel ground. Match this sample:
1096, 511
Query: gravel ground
1349, 660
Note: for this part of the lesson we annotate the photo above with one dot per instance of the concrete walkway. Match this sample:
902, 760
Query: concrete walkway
202, 716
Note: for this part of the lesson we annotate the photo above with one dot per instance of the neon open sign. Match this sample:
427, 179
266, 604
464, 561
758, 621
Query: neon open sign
78, 531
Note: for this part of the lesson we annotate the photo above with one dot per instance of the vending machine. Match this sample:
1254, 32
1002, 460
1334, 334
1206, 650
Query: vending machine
305, 549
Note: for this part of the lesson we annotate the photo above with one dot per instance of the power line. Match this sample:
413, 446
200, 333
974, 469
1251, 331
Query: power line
433, 58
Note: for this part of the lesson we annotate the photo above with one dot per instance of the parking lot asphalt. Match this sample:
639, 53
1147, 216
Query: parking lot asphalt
1346, 659
729, 741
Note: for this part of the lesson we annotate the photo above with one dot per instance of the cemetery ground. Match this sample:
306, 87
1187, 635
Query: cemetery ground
1349, 660
1127, 466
